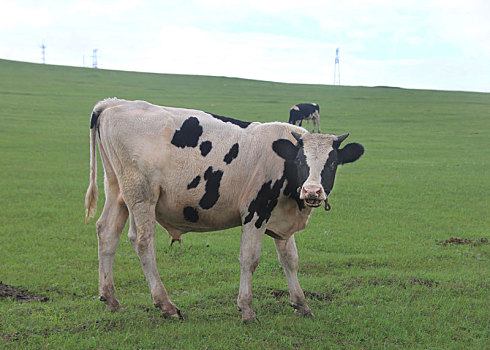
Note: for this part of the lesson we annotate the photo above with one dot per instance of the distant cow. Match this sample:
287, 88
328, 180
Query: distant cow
305, 111
193, 171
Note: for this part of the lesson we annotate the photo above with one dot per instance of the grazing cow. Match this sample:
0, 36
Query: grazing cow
305, 111
193, 171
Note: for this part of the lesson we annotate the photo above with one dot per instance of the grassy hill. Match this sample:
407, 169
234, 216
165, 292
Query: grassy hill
379, 270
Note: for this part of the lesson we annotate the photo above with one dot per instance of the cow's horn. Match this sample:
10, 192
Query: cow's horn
296, 136
342, 137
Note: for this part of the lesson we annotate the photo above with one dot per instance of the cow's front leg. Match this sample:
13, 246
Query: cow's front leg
142, 237
249, 260
288, 256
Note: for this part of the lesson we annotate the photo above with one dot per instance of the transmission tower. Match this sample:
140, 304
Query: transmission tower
43, 49
336, 73
94, 59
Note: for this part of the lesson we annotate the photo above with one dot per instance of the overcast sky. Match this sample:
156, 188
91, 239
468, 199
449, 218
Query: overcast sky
429, 44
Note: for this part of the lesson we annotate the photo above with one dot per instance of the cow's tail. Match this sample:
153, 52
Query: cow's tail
92, 191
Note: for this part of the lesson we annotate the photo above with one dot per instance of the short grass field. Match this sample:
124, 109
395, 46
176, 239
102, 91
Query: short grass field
401, 260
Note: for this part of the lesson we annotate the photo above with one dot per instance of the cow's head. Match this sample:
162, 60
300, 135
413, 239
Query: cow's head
313, 162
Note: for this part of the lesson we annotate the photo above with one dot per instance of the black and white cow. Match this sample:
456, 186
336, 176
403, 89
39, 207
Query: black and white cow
193, 171
305, 111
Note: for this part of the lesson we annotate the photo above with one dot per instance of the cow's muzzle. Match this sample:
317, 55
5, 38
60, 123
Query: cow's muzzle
313, 196
313, 202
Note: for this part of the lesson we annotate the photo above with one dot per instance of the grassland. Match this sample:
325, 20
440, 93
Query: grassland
375, 269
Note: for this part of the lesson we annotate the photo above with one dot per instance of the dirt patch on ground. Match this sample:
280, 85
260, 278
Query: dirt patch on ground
319, 296
454, 240
424, 282
7, 291
278, 293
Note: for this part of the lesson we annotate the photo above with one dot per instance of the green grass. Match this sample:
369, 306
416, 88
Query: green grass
374, 270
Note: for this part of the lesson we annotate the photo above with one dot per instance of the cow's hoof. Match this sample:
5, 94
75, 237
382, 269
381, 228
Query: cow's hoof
250, 318
303, 310
111, 304
172, 312
175, 316
304, 313
114, 307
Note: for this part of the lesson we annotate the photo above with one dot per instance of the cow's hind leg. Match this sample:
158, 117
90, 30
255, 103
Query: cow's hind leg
288, 256
142, 237
109, 228
314, 124
250, 246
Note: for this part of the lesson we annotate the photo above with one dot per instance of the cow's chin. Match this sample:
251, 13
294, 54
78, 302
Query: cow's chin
313, 203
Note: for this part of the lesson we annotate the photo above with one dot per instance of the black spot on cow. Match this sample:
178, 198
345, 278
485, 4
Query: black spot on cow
211, 196
205, 148
265, 202
296, 169
239, 123
302, 168
189, 133
191, 214
194, 183
293, 183
329, 171
232, 154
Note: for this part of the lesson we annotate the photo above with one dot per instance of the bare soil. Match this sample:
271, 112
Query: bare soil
454, 240
7, 291
278, 293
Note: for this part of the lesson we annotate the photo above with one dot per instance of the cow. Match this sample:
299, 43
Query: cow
189, 170
305, 111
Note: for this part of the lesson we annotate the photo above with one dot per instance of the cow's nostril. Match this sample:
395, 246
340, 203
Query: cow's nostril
312, 191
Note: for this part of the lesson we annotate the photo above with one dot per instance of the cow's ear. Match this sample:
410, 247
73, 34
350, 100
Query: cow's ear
285, 149
350, 153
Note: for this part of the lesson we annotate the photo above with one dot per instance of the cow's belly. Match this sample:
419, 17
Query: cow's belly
187, 215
